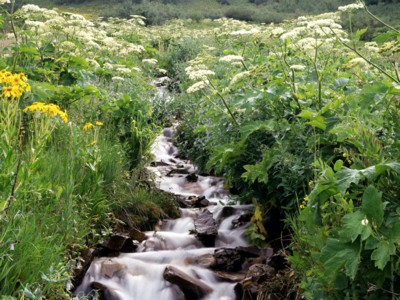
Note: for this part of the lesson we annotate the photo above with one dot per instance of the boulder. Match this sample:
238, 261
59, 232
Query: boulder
227, 259
137, 235
192, 287
206, 229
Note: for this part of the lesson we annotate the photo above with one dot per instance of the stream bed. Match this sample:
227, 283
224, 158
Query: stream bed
201, 255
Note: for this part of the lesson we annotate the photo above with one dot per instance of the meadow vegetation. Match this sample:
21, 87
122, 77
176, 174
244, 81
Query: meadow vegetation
301, 118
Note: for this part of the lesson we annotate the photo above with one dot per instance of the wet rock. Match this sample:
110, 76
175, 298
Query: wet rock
183, 201
192, 287
231, 277
159, 164
206, 229
228, 260
243, 218
87, 256
137, 235
251, 251
116, 244
249, 287
104, 292
205, 260
199, 202
192, 177
109, 267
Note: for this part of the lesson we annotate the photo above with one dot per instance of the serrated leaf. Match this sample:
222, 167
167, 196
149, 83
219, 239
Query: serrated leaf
353, 228
336, 255
381, 255
372, 205
345, 177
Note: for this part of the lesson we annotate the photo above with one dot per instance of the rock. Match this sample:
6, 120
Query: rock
192, 287
278, 261
251, 251
205, 260
137, 235
231, 277
206, 229
243, 218
201, 201
115, 244
104, 291
87, 256
110, 267
228, 260
192, 177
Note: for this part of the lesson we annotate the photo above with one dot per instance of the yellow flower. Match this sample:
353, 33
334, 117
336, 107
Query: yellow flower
12, 92
302, 206
92, 143
51, 110
87, 126
344, 154
98, 123
306, 198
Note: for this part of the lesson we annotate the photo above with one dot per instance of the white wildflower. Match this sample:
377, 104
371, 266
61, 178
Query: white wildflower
277, 31
239, 76
297, 67
108, 66
117, 78
245, 32
350, 7
4, 1
357, 62
197, 87
364, 222
150, 61
123, 71
231, 58
200, 74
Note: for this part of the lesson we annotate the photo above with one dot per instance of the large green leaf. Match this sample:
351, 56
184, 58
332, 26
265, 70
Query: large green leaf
337, 255
372, 205
345, 177
353, 227
381, 255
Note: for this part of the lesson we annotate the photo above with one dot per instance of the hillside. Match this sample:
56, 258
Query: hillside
264, 11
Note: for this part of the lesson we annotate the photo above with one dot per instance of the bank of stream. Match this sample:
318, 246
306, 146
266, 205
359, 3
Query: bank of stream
204, 254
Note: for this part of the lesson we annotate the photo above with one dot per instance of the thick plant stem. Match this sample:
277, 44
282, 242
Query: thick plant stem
370, 62
224, 102
378, 19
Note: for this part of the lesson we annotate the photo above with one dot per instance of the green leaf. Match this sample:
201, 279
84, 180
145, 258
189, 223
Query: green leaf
384, 37
254, 126
360, 32
315, 119
341, 82
381, 255
372, 205
336, 255
338, 165
353, 228
345, 177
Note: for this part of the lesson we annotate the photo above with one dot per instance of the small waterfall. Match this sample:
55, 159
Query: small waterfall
174, 248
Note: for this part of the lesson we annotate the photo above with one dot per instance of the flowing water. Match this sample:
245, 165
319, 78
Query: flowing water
140, 275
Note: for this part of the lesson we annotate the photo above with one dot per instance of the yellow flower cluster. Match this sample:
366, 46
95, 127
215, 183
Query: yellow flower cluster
13, 85
304, 202
89, 125
51, 110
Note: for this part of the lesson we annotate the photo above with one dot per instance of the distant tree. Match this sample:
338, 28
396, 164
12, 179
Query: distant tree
224, 2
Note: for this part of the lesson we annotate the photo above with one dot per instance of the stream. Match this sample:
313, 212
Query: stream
185, 258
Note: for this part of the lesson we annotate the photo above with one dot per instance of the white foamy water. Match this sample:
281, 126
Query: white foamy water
139, 275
